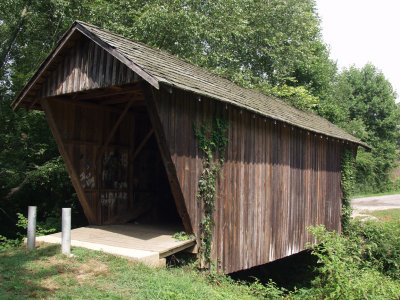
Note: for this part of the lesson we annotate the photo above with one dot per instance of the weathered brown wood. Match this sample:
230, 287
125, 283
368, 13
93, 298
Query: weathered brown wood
86, 104
277, 180
151, 96
149, 78
80, 72
114, 128
173, 250
72, 173
94, 144
66, 39
117, 100
131, 169
109, 92
142, 143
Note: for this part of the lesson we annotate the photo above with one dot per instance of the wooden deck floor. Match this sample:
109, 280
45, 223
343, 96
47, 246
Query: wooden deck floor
147, 243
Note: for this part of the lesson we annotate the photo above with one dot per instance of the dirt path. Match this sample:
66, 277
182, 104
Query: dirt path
374, 203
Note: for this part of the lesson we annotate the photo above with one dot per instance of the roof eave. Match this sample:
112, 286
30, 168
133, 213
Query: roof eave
201, 93
43, 66
130, 64
77, 27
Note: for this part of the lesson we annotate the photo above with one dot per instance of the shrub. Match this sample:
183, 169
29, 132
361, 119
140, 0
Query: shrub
381, 244
8, 244
355, 266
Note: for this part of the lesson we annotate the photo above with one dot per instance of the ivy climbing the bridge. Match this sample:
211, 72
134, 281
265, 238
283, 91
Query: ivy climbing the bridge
212, 142
347, 166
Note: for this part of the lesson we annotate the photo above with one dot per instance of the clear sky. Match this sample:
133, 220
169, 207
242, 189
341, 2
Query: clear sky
362, 31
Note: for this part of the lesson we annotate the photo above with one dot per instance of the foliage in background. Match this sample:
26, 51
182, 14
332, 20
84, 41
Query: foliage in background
51, 225
363, 103
31, 170
212, 142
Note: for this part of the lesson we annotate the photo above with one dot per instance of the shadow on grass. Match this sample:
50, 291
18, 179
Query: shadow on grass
18, 279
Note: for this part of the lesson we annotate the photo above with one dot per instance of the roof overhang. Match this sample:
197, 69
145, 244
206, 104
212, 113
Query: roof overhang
27, 96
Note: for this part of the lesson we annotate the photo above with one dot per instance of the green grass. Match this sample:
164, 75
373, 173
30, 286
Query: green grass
45, 273
374, 194
386, 215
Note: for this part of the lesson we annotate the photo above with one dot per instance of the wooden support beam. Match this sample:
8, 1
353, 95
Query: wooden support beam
183, 246
104, 147
150, 95
122, 99
68, 163
112, 132
131, 168
78, 98
104, 93
144, 141
86, 104
94, 144
113, 101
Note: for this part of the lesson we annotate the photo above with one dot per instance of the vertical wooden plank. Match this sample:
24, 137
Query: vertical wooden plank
76, 67
108, 69
90, 65
96, 66
72, 172
59, 78
101, 67
85, 66
152, 96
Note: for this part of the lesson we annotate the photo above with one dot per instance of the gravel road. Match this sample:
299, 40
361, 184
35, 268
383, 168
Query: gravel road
374, 203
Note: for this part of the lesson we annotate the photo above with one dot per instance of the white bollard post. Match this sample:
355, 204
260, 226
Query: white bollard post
66, 232
32, 213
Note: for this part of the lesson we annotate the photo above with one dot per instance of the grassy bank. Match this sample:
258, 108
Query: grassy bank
386, 215
362, 265
94, 275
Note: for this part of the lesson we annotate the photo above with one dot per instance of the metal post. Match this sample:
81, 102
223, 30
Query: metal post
66, 231
32, 213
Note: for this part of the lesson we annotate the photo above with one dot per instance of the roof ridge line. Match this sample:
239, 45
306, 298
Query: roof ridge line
146, 75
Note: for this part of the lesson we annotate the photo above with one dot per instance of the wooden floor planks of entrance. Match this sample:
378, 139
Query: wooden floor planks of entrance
149, 244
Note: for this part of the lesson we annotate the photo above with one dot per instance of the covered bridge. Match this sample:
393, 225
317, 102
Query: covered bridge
122, 114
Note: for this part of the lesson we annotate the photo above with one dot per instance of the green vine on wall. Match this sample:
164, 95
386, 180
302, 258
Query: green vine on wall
212, 142
347, 166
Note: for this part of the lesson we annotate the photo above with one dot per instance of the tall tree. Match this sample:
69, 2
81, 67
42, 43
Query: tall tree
364, 104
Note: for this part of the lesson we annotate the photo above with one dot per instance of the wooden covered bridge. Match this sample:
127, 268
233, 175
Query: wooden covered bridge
122, 114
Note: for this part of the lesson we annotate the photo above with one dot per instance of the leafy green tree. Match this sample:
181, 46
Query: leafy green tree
363, 103
32, 172
270, 45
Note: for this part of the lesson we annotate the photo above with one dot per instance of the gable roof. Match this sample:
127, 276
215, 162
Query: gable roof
158, 67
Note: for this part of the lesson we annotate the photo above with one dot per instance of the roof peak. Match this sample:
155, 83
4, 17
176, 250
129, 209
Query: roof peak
157, 66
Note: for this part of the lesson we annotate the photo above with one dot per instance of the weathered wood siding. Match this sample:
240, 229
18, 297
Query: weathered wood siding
86, 66
277, 180
103, 182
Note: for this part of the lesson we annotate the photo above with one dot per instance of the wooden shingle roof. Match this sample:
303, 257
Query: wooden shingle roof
160, 68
